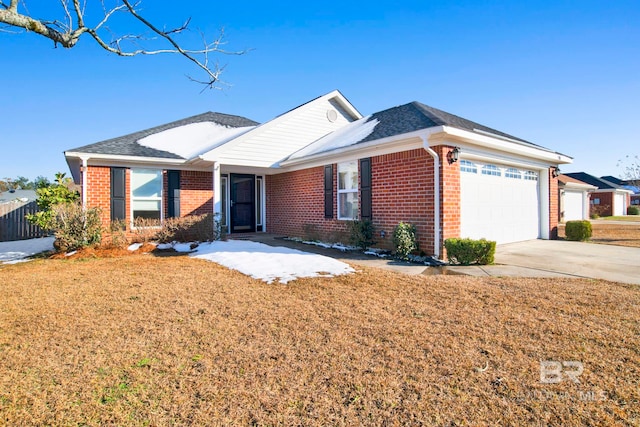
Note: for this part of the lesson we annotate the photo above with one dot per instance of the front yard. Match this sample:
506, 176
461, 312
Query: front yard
144, 340
612, 234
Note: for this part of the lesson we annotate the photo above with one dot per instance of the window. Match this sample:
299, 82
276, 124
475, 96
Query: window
491, 170
146, 193
513, 173
467, 166
259, 203
348, 190
530, 176
595, 201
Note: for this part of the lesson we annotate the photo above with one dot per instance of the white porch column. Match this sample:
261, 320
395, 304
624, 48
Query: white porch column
217, 201
83, 173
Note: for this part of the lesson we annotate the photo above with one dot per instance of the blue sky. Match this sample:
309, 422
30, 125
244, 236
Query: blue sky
565, 75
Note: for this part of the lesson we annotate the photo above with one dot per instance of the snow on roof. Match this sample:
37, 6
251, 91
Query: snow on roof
193, 139
348, 135
269, 263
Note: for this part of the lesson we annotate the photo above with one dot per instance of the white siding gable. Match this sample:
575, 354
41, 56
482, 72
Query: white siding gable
274, 141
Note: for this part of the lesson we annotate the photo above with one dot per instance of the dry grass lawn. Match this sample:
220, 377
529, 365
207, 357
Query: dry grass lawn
143, 340
612, 234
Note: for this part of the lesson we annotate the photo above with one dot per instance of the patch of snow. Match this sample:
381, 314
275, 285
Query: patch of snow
347, 135
71, 253
314, 243
343, 248
270, 263
21, 249
134, 247
194, 139
183, 247
164, 246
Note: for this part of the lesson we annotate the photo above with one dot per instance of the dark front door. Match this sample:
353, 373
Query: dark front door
243, 199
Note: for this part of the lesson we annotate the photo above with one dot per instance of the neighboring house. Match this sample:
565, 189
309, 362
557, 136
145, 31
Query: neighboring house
322, 164
628, 185
573, 198
608, 199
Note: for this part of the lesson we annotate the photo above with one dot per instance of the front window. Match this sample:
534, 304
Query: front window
348, 190
146, 193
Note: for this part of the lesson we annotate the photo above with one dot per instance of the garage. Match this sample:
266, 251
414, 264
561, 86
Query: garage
619, 207
573, 205
498, 202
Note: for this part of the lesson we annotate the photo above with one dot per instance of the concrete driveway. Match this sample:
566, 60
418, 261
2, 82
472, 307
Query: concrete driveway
577, 259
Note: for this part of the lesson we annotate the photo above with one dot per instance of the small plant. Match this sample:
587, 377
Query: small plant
201, 228
470, 251
145, 229
578, 230
404, 239
361, 233
633, 210
118, 234
75, 227
598, 210
49, 196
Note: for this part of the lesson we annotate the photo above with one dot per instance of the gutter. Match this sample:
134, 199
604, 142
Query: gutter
436, 192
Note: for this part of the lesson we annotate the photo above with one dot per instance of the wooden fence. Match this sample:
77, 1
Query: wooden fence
14, 225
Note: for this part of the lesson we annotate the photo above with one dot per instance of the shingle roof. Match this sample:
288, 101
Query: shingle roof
602, 184
127, 145
564, 179
613, 179
415, 116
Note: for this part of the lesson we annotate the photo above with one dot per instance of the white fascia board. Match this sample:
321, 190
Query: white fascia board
613, 190
219, 151
378, 147
577, 186
508, 146
124, 159
473, 153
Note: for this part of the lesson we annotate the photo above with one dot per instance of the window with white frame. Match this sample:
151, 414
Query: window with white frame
146, 193
513, 173
491, 170
348, 190
530, 175
223, 202
467, 166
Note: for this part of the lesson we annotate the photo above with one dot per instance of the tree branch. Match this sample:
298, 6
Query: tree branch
69, 32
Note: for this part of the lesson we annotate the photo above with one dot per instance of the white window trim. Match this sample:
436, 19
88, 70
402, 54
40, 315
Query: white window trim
347, 191
260, 202
224, 182
160, 198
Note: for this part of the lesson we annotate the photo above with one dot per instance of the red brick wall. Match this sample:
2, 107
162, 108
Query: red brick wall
402, 190
605, 208
196, 193
295, 205
449, 195
99, 191
553, 205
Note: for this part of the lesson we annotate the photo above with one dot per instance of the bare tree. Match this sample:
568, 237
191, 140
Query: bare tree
630, 170
72, 24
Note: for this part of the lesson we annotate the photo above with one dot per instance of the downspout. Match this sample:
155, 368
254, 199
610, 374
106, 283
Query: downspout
83, 173
436, 194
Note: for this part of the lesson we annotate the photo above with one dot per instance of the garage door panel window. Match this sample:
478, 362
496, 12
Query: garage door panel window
492, 170
530, 176
146, 193
467, 166
348, 190
513, 173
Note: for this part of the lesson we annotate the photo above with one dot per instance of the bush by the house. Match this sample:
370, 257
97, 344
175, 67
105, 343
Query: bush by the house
201, 228
633, 210
470, 251
598, 210
75, 227
50, 196
404, 239
361, 233
578, 230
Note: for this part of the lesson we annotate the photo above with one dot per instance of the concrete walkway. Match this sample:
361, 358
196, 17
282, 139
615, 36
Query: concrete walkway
533, 258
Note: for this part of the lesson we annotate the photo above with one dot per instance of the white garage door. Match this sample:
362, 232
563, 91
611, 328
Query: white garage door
498, 202
618, 204
573, 205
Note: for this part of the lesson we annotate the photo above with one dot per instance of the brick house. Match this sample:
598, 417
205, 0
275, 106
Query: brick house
608, 198
322, 164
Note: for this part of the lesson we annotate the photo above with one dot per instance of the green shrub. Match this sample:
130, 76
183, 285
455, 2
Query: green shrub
633, 210
469, 251
404, 239
50, 196
75, 227
361, 233
578, 230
